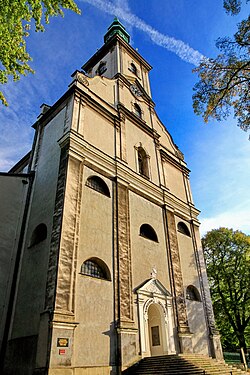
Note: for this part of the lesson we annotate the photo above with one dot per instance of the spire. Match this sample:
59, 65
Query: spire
116, 28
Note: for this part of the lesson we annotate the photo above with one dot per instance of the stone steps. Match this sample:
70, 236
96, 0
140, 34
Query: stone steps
189, 364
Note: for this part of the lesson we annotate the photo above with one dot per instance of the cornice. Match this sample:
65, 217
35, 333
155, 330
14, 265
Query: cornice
174, 159
137, 121
55, 108
96, 102
114, 169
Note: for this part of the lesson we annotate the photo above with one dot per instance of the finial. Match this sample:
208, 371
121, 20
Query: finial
116, 28
153, 272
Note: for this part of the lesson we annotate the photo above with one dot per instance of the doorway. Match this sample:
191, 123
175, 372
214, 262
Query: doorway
157, 337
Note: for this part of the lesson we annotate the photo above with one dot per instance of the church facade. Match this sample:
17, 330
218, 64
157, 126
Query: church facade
106, 265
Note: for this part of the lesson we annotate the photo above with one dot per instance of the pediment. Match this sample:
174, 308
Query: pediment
152, 286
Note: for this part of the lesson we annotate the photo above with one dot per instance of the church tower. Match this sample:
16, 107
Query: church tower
112, 268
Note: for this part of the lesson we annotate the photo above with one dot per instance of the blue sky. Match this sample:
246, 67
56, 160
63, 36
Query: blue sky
171, 35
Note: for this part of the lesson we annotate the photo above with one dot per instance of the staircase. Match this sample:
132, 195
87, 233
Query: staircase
182, 364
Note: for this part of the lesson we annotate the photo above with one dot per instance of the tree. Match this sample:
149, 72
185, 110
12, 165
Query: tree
16, 19
227, 255
225, 80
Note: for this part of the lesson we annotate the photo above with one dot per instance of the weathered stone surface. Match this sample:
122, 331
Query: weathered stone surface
177, 274
63, 249
56, 231
65, 293
124, 253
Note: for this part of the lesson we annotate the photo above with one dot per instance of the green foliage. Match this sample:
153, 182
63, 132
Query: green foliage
16, 19
233, 6
227, 254
224, 81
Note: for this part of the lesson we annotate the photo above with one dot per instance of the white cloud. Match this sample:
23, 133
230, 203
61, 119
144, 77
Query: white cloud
181, 49
238, 220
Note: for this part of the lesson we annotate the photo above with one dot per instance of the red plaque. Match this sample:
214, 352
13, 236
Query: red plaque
62, 351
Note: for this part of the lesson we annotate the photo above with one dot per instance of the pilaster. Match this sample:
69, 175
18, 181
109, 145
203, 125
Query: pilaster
57, 323
184, 334
126, 326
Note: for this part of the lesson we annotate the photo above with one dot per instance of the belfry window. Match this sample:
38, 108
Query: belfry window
96, 183
143, 162
133, 68
182, 228
137, 109
101, 68
148, 232
39, 234
96, 268
192, 293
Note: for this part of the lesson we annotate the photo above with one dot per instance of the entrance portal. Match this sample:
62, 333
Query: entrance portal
156, 321
156, 334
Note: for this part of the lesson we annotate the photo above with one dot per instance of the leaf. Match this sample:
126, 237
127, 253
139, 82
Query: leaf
16, 18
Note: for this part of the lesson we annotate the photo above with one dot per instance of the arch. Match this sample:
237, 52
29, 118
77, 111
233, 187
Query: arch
143, 162
137, 110
153, 293
192, 293
157, 332
39, 234
101, 68
95, 267
133, 68
182, 228
148, 232
97, 183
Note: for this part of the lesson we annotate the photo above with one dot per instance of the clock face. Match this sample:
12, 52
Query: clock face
135, 90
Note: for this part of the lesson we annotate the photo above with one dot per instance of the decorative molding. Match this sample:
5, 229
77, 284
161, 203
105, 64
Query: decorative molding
80, 77
152, 292
179, 154
152, 285
135, 90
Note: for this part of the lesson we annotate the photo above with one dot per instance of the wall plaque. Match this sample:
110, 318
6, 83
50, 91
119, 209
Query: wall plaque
62, 342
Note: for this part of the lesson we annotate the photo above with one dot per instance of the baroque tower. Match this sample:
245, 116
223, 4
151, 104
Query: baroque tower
110, 266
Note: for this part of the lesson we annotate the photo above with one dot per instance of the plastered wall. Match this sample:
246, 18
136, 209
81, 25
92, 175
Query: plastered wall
13, 192
134, 138
146, 253
94, 297
195, 309
30, 299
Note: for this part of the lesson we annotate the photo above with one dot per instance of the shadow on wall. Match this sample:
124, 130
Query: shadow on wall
24, 351
199, 312
111, 333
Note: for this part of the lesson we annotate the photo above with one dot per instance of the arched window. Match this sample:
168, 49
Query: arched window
192, 293
137, 109
143, 162
95, 267
182, 228
148, 232
133, 68
101, 68
96, 183
39, 234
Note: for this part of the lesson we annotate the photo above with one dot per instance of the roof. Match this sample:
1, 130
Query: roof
116, 28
